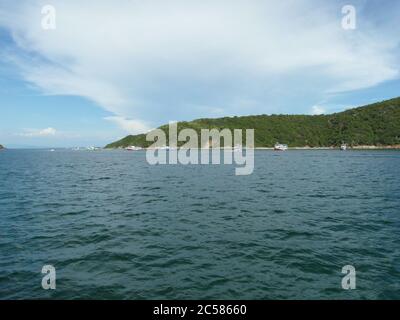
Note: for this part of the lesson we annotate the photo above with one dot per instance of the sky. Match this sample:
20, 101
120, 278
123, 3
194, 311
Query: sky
108, 69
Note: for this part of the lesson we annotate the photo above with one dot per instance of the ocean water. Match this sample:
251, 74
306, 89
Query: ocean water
115, 227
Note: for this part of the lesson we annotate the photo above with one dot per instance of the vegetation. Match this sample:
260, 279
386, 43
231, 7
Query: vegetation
377, 124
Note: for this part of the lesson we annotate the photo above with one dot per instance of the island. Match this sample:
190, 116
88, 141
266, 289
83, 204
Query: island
1, 147
373, 126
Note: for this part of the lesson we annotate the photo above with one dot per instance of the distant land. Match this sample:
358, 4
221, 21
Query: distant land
1, 147
22, 146
374, 125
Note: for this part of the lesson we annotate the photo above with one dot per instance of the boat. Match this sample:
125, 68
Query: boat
280, 147
93, 148
343, 147
133, 148
164, 148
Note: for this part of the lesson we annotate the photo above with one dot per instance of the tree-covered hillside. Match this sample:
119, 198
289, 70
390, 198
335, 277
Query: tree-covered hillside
376, 124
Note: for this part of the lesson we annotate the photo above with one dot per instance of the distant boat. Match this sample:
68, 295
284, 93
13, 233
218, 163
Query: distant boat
343, 147
93, 148
163, 148
280, 147
133, 148
52, 150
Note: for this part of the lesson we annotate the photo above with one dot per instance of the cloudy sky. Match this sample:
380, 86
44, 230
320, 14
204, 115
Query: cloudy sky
111, 68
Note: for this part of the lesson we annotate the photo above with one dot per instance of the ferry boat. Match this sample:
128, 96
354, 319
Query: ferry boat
280, 147
343, 147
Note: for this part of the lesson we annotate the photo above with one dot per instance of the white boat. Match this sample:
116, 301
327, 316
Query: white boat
343, 147
163, 148
280, 147
133, 148
93, 148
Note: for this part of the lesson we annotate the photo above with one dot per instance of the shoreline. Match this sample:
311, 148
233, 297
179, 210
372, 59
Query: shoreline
393, 147
363, 147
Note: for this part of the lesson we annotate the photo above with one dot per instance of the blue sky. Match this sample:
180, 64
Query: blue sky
109, 70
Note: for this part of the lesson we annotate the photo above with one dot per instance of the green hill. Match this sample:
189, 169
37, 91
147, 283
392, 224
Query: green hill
1, 147
377, 124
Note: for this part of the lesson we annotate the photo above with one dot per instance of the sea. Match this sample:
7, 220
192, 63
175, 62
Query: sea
115, 227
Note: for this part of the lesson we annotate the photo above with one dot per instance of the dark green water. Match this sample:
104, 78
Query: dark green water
115, 227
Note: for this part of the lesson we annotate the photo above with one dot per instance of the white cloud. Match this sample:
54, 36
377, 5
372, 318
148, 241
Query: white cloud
39, 132
151, 61
318, 110
129, 125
